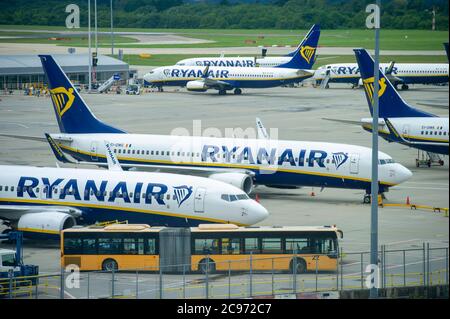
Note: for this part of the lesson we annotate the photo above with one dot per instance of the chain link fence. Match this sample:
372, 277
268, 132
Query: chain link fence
423, 266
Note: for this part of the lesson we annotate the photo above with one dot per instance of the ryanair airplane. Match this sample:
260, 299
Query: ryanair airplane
239, 162
400, 122
42, 201
225, 78
265, 61
398, 73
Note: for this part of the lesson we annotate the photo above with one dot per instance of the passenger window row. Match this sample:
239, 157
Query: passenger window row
86, 193
434, 133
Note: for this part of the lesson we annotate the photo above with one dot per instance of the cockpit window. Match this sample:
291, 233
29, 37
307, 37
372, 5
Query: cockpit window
386, 161
233, 198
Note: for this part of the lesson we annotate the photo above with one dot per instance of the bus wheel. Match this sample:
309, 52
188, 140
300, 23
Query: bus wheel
203, 266
300, 264
110, 265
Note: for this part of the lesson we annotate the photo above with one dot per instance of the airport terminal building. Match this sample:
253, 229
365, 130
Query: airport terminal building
19, 71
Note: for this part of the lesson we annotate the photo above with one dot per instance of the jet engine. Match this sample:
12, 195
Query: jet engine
196, 86
46, 222
242, 181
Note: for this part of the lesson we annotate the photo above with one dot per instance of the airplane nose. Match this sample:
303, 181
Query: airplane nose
257, 213
402, 174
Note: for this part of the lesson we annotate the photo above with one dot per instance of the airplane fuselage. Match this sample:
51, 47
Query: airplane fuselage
231, 77
138, 197
286, 163
404, 73
425, 133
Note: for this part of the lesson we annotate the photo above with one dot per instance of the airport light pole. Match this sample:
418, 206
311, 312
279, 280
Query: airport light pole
112, 32
95, 26
89, 50
374, 184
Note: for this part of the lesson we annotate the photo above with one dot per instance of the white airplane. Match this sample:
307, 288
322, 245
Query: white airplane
400, 122
223, 78
398, 73
240, 162
42, 201
265, 61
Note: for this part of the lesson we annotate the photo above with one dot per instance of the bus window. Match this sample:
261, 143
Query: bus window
73, 246
129, 246
151, 247
109, 246
271, 246
89, 246
297, 245
231, 246
328, 246
251, 245
206, 246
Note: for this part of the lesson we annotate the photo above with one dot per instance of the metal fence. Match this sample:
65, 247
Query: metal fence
423, 266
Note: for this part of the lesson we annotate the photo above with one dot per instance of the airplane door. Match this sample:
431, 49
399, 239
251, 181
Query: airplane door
199, 200
94, 156
405, 132
354, 163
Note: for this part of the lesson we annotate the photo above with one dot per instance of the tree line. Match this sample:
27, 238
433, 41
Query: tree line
275, 14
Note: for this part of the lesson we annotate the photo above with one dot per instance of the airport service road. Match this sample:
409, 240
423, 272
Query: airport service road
297, 113
39, 48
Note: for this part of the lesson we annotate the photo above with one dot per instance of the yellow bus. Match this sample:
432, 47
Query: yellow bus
206, 248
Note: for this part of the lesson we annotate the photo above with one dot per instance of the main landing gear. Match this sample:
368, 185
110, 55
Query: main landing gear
403, 88
368, 198
237, 91
222, 92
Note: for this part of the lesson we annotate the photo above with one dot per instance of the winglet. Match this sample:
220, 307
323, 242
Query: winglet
262, 132
59, 154
205, 72
390, 68
113, 162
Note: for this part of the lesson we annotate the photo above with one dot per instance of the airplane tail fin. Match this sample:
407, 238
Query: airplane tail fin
305, 55
72, 113
391, 103
314, 27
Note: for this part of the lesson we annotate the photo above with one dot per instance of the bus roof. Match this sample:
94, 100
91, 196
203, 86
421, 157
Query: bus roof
203, 228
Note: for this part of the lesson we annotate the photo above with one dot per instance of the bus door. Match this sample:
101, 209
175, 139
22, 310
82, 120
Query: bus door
354, 163
199, 200
94, 148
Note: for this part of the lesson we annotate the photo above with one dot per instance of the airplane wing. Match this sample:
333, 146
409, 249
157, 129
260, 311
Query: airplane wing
440, 106
344, 121
217, 84
15, 212
36, 138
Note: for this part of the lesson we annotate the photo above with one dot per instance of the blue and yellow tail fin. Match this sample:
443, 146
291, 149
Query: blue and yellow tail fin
314, 27
391, 103
305, 55
72, 113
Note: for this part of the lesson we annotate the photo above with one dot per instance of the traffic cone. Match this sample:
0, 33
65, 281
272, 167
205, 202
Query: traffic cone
407, 201
313, 194
257, 198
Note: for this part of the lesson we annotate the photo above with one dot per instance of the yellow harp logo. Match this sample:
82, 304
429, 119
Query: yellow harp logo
62, 99
368, 86
307, 53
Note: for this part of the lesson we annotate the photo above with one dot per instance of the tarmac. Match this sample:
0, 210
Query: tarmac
296, 114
